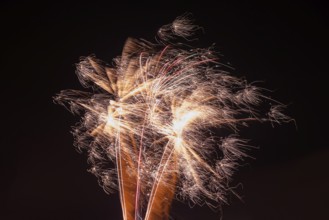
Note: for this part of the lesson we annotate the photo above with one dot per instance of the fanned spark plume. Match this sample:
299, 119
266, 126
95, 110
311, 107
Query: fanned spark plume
151, 125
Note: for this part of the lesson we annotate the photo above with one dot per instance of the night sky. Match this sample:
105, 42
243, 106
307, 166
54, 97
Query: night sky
283, 45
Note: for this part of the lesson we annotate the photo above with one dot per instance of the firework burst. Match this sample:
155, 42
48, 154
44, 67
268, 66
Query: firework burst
149, 126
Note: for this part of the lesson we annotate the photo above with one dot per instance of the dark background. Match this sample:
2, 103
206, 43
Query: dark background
285, 45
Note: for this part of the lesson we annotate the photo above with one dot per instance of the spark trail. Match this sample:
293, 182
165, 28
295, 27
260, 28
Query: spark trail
149, 123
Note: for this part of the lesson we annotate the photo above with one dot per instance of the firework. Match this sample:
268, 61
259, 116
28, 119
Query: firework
150, 125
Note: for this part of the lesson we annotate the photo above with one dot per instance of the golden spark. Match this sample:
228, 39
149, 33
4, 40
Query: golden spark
149, 124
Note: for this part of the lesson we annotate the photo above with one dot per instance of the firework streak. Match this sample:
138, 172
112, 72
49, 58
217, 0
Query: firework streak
152, 124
